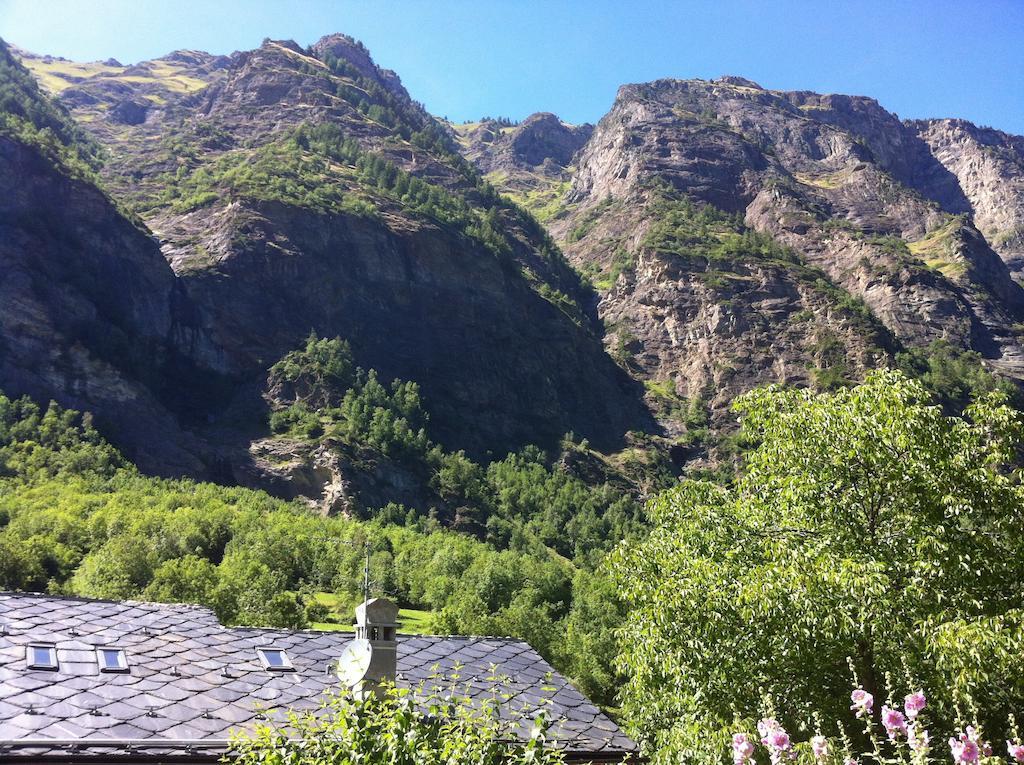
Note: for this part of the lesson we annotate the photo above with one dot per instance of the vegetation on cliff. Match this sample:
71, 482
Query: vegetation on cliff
29, 116
516, 502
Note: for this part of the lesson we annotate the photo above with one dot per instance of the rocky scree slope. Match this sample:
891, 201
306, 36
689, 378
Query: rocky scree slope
740, 236
294, 190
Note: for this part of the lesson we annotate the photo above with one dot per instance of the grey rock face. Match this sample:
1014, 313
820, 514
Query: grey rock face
129, 112
854, 192
989, 168
87, 309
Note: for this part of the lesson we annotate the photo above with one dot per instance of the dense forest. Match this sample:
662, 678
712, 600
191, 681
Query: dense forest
520, 557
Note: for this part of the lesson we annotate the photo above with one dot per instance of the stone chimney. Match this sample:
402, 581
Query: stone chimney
377, 624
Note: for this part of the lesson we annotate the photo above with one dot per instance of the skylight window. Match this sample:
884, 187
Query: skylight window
41, 656
275, 659
112, 660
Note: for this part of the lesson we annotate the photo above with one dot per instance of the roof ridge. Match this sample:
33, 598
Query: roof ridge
199, 607
312, 631
85, 599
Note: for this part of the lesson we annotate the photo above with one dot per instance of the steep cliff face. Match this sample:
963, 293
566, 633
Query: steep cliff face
90, 312
500, 365
837, 181
87, 309
302, 190
989, 168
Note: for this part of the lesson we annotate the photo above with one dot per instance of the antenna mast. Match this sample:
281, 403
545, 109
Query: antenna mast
366, 574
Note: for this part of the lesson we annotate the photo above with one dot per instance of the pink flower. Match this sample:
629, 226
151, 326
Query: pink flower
778, 739
819, 745
894, 721
774, 737
918, 741
742, 748
913, 703
1016, 750
965, 749
850, 761
863, 702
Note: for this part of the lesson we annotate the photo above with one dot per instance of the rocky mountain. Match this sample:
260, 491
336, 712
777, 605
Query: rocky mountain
530, 161
541, 143
174, 228
293, 190
739, 235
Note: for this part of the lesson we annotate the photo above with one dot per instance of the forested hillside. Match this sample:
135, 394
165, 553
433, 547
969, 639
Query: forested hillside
77, 518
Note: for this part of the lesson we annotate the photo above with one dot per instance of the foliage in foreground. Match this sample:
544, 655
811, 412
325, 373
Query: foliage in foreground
889, 735
405, 726
867, 525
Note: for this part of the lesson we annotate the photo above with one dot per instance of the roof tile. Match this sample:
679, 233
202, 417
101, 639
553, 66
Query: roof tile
177, 687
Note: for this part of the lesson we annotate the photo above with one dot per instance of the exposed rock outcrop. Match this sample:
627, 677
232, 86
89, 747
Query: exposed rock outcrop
989, 167
541, 143
531, 161
836, 179
89, 310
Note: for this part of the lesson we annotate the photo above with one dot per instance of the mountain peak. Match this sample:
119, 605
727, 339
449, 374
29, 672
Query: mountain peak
548, 117
348, 48
742, 82
288, 44
542, 143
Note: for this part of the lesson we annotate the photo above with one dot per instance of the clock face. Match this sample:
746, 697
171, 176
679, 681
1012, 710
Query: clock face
354, 662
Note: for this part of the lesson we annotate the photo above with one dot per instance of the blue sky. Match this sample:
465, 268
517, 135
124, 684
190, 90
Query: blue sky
467, 58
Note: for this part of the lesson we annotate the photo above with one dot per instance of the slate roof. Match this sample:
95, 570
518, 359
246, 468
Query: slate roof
191, 680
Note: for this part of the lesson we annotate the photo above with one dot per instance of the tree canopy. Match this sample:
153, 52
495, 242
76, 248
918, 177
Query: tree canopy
866, 524
77, 518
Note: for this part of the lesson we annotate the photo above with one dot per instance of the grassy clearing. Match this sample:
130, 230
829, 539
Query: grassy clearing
412, 621
56, 76
544, 200
938, 251
174, 78
826, 181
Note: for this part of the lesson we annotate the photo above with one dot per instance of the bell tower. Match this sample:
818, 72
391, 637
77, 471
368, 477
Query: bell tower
377, 624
